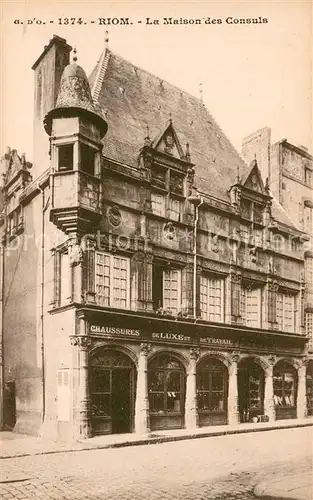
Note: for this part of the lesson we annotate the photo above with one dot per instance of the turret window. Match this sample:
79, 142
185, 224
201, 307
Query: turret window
87, 159
65, 157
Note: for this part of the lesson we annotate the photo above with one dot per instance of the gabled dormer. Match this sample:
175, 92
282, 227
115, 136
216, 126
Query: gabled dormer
253, 180
167, 166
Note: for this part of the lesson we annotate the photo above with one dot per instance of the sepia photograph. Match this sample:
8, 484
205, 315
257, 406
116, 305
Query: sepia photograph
156, 257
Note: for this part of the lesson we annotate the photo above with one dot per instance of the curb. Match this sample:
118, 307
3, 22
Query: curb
158, 440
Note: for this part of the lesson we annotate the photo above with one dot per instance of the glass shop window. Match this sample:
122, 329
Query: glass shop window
166, 385
285, 385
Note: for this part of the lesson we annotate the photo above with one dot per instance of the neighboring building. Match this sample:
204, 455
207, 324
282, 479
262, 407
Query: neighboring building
289, 170
148, 282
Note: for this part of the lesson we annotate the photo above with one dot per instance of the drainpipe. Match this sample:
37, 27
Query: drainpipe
197, 202
2, 257
44, 207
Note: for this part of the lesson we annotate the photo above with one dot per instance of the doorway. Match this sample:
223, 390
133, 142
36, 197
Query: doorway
250, 390
112, 392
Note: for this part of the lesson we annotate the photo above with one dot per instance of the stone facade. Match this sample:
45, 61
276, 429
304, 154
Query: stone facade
163, 287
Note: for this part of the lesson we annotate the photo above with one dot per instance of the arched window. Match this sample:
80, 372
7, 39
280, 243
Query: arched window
166, 385
112, 392
285, 390
212, 380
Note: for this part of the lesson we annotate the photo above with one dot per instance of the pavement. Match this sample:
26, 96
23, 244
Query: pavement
17, 445
294, 487
223, 467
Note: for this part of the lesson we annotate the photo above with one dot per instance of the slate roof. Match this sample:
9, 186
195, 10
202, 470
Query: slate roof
132, 99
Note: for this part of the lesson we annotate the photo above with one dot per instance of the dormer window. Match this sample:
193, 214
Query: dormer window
65, 157
176, 183
87, 159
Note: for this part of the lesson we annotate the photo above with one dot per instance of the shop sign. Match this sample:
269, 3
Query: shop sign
171, 336
212, 340
112, 330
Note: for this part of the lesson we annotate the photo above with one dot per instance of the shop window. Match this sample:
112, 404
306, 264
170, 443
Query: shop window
250, 389
166, 385
65, 157
284, 385
112, 280
87, 159
251, 306
285, 312
158, 204
212, 298
211, 386
166, 289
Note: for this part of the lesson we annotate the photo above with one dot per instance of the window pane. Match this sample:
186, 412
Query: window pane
156, 401
101, 405
217, 381
217, 401
173, 381
100, 380
173, 402
156, 380
172, 290
203, 401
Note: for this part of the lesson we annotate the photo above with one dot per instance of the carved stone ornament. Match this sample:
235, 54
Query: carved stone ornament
169, 231
234, 357
272, 359
75, 253
194, 353
114, 216
169, 143
253, 254
83, 342
215, 244
145, 348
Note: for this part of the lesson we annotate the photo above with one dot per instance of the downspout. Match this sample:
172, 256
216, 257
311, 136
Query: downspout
2, 257
42, 290
197, 202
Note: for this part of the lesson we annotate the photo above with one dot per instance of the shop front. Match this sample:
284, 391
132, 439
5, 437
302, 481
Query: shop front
166, 389
212, 389
250, 390
113, 382
142, 379
285, 381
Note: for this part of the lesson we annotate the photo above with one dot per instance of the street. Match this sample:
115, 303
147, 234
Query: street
226, 467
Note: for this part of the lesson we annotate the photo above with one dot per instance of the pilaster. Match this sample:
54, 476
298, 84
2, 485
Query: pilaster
83, 416
191, 415
301, 395
233, 413
142, 419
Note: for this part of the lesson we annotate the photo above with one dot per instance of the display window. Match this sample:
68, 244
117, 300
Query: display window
284, 385
211, 386
309, 388
166, 385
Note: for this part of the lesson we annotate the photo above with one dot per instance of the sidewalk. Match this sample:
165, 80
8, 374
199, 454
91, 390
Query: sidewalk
297, 487
17, 445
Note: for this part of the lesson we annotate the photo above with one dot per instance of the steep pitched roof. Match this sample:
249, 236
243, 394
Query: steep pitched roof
132, 99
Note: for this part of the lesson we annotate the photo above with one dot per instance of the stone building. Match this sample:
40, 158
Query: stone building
289, 169
149, 279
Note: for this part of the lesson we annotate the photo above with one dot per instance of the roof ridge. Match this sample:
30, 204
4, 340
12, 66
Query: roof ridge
98, 81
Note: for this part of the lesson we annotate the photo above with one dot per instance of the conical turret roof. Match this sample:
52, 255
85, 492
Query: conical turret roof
74, 98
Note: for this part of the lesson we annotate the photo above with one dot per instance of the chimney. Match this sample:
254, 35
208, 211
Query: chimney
48, 71
257, 147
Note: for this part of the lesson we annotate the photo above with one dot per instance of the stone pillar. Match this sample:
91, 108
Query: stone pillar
83, 417
191, 414
301, 396
269, 408
142, 419
233, 413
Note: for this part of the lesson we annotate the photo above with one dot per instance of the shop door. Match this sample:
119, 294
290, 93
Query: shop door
121, 400
250, 391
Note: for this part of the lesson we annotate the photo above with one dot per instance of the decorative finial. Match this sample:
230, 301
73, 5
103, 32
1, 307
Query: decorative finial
106, 39
201, 91
148, 141
74, 56
238, 181
170, 115
187, 155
